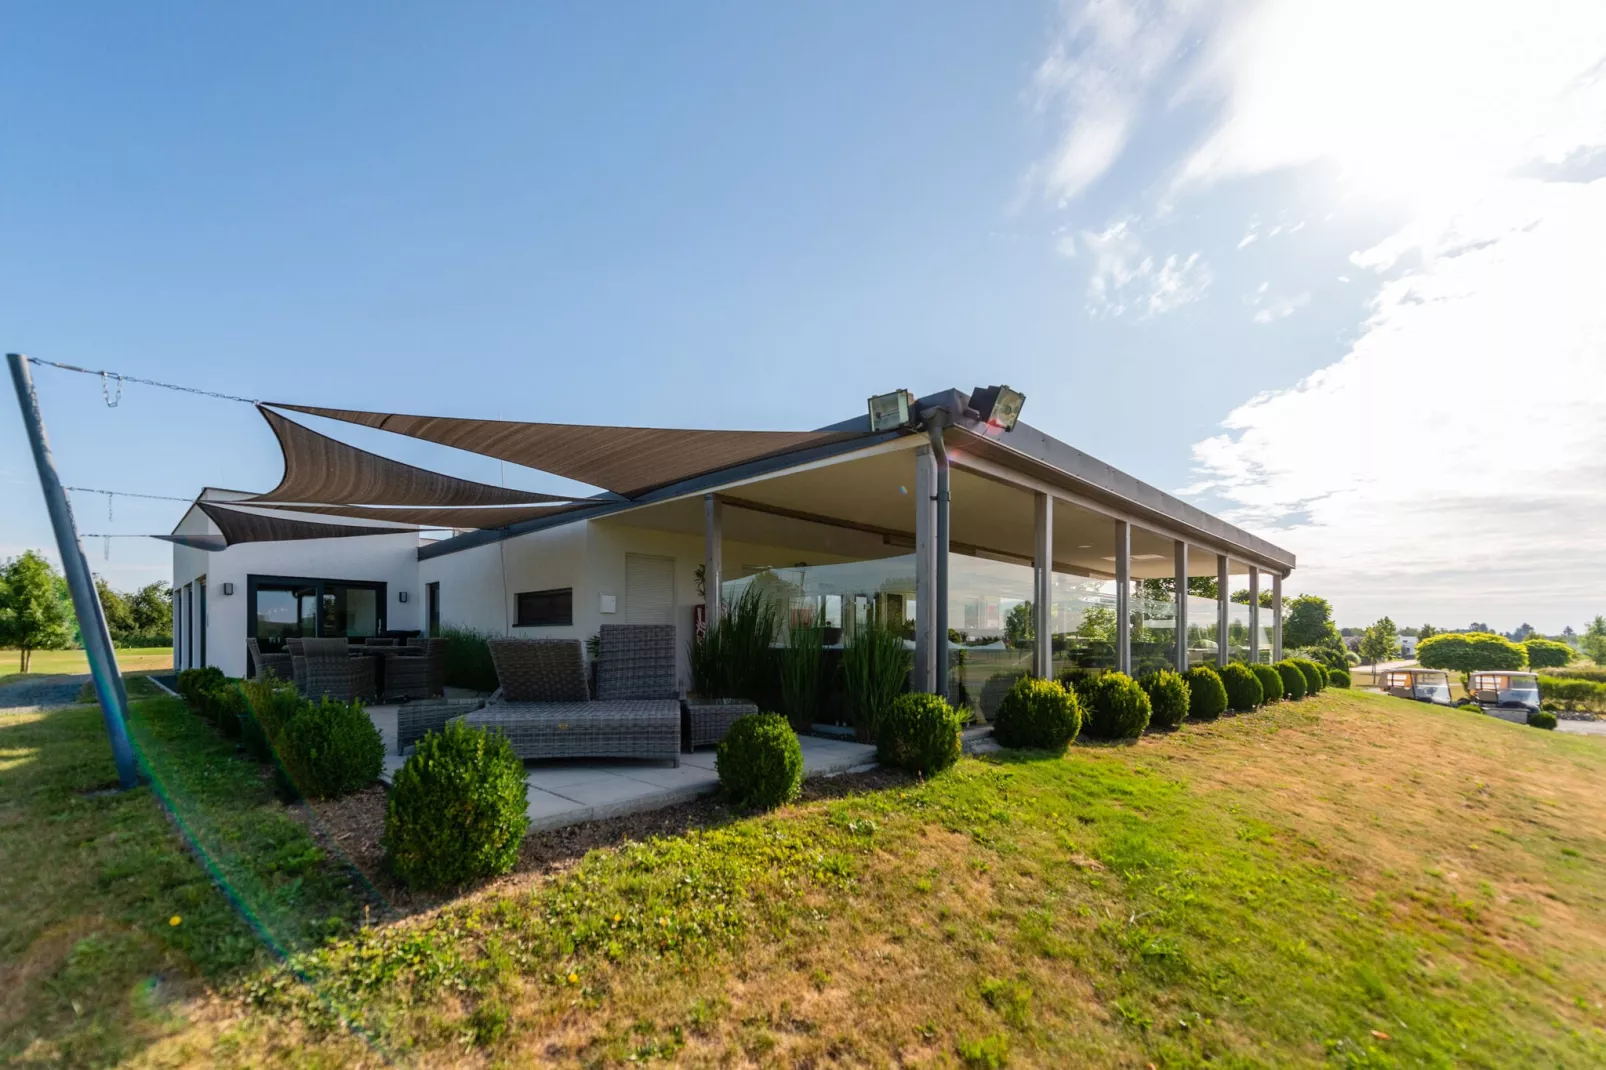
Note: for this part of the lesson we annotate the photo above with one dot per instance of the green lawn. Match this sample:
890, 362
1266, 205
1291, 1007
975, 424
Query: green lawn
57, 662
92, 966
1355, 880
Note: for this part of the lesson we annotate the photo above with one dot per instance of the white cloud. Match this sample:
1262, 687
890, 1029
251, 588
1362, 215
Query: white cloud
1126, 277
1278, 307
1100, 68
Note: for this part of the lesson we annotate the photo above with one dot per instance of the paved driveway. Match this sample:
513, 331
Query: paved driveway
25, 696
1582, 728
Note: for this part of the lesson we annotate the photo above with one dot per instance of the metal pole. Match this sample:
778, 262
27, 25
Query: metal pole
1043, 581
1254, 614
1181, 652
1223, 629
1123, 597
925, 571
939, 453
1276, 616
86, 603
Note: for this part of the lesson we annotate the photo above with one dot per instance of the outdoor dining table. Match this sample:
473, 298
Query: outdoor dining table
384, 654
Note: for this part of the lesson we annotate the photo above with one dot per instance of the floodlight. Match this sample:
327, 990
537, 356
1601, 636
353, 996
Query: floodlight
998, 406
888, 412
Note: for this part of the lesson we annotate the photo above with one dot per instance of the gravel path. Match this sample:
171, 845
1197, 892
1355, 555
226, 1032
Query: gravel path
25, 696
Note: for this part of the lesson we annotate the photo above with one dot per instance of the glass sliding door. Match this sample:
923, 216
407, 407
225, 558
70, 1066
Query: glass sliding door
281, 608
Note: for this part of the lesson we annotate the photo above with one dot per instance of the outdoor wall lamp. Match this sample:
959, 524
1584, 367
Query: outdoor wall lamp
228, 588
401, 596
888, 412
997, 405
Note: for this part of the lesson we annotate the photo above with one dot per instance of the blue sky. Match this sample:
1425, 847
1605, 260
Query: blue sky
740, 215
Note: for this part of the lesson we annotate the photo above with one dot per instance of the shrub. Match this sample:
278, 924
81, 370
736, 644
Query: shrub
142, 640
920, 733
1074, 679
468, 659
875, 669
226, 705
1168, 697
331, 749
760, 762
1596, 673
191, 682
801, 679
1244, 692
1115, 706
1470, 651
1338, 678
1542, 719
1293, 680
1353, 659
457, 809
1271, 682
1039, 715
1573, 694
1207, 696
1311, 671
1547, 653
1326, 656
270, 704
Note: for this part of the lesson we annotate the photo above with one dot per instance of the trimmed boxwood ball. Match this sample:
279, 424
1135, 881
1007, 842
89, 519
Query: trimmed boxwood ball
1337, 678
1271, 682
920, 733
1038, 715
1244, 692
1542, 719
1168, 697
1293, 679
330, 749
1312, 673
457, 809
760, 762
1207, 696
1075, 679
1115, 707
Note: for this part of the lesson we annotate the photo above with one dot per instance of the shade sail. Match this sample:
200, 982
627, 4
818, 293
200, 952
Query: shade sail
626, 460
435, 517
323, 470
238, 526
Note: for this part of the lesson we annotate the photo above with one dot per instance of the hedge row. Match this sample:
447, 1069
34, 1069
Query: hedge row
1573, 694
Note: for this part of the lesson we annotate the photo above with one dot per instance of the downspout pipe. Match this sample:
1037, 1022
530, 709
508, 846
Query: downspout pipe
939, 452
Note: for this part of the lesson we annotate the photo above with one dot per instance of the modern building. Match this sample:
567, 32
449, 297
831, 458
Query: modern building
938, 523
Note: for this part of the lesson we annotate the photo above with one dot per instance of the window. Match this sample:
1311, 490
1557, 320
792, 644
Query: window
545, 609
432, 602
280, 608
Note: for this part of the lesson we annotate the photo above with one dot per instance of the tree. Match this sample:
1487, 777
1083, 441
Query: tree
1524, 630
1381, 641
1098, 622
32, 614
1427, 631
1593, 641
1018, 630
1412, 632
1165, 588
1569, 636
1478, 629
1470, 652
1241, 596
151, 608
1546, 653
119, 621
1309, 622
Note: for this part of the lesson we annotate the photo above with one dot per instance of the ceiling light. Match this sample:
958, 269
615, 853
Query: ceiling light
888, 412
997, 406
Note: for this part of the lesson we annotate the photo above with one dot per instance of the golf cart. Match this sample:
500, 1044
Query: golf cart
1510, 696
1423, 685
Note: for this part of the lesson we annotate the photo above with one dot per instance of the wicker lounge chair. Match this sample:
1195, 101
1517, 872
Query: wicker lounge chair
415, 720
417, 675
263, 664
710, 719
298, 664
544, 709
332, 672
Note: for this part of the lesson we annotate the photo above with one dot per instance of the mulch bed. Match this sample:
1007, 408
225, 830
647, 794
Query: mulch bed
350, 829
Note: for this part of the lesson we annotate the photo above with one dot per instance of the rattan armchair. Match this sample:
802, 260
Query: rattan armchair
264, 664
333, 673
420, 675
298, 664
544, 709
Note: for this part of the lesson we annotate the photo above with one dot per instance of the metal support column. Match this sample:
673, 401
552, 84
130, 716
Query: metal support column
939, 453
1123, 596
713, 555
97, 637
1043, 590
1223, 615
1254, 614
1182, 605
925, 571
1276, 616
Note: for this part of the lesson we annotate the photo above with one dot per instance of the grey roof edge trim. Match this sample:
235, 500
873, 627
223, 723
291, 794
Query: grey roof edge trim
696, 484
1093, 478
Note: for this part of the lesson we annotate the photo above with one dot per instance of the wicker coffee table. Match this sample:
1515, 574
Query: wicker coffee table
710, 718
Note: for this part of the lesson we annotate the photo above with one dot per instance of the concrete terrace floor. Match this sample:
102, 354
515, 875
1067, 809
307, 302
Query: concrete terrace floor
569, 792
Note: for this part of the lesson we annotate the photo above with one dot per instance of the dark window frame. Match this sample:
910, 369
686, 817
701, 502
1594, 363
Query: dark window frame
432, 608
561, 617
253, 582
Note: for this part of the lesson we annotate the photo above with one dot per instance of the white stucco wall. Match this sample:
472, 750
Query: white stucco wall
388, 559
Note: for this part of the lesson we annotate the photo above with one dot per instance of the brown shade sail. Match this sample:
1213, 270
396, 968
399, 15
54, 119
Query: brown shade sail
319, 469
435, 517
239, 526
626, 460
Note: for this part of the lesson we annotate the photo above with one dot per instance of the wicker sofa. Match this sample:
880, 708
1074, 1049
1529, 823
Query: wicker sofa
544, 708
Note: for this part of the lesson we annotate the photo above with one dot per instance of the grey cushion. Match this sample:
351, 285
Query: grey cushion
540, 670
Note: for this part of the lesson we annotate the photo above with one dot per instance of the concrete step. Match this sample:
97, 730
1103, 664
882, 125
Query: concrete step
978, 740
